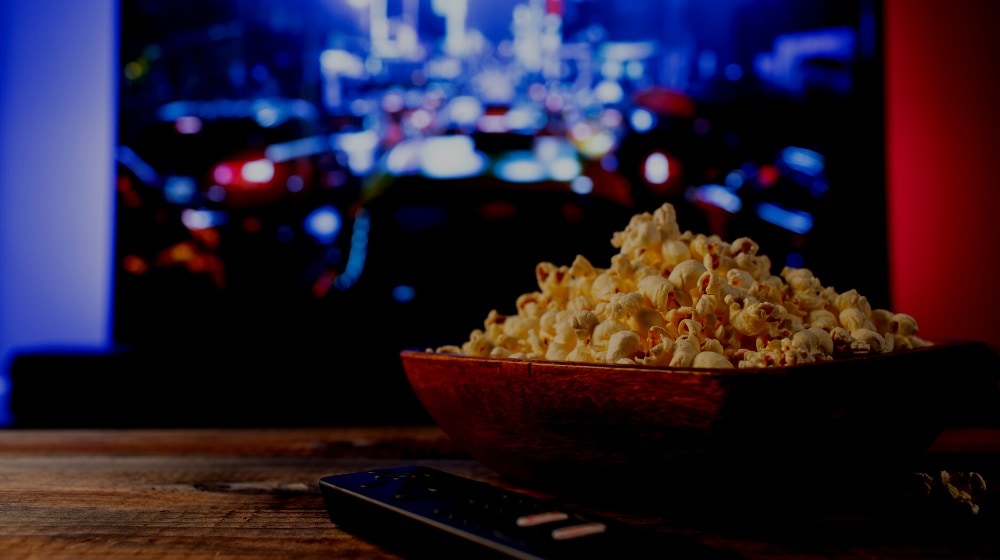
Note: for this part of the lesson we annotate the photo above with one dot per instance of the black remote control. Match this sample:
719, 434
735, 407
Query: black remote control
420, 512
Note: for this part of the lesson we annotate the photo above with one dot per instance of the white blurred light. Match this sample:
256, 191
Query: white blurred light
565, 169
342, 63
598, 145
609, 92
259, 171
520, 167
404, 158
656, 168
360, 149
451, 157
188, 125
196, 219
465, 109
421, 118
582, 185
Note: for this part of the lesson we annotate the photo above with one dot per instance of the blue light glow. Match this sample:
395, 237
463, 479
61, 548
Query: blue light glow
733, 72
303, 147
323, 224
795, 260
179, 190
642, 120
802, 160
796, 221
719, 196
59, 79
734, 180
403, 293
358, 253
137, 165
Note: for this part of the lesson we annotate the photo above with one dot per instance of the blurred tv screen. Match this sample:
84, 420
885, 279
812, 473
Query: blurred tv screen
363, 176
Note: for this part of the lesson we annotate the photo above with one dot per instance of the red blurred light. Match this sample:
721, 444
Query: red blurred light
498, 210
767, 175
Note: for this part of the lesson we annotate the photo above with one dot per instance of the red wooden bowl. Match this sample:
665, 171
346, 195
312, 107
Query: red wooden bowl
557, 423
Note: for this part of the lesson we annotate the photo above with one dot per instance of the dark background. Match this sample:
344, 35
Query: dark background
271, 356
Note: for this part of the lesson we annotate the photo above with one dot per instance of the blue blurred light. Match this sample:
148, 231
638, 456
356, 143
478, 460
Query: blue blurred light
642, 120
734, 180
418, 219
795, 260
285, 234
403, 293
818, 187
358, 254
137, 165
718, 196
303, 147
733, 72
796, 221
609, 163
803, 160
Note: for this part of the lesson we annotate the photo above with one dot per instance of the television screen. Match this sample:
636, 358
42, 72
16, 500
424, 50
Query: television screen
323, 183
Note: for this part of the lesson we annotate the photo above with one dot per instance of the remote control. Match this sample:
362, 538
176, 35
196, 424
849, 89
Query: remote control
420, 512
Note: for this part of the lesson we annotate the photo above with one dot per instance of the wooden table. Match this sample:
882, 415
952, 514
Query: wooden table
254, 493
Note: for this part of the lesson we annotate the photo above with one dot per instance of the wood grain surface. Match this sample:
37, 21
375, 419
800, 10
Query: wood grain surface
254, 494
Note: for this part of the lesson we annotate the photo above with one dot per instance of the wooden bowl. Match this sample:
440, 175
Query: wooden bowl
558, 424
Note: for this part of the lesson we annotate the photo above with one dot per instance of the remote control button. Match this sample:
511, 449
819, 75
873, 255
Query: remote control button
577, 531
541, 518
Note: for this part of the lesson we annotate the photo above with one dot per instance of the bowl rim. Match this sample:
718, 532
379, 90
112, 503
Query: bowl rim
936, 346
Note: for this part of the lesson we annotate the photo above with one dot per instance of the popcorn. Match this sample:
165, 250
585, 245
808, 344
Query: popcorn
949, 494
679, 299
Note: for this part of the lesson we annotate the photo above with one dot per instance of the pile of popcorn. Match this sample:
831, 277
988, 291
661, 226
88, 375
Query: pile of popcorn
680, 299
